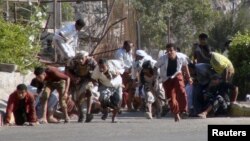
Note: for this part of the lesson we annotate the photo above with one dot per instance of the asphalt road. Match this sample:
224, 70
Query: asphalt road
130, 127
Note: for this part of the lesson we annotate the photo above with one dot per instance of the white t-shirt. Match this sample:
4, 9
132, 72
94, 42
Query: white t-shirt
162, 63
125, 57
114, 67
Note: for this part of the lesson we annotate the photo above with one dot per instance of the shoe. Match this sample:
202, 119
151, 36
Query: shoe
104, 116
66, 120
184, 115
80, 118
120, 111
89, 118
165, 110
148, 115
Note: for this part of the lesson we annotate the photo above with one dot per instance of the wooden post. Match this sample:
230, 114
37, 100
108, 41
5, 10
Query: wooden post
7, 10
54, 15
138, 34
15, 14
60, 14
54, 24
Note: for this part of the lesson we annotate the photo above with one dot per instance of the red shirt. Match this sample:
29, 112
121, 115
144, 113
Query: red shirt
53, 74
13, 104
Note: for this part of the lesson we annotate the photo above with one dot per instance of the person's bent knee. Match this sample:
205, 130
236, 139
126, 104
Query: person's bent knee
45, 96
63, 102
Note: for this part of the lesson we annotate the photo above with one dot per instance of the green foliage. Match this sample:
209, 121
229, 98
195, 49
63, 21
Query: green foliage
239, 55
188, 19
227, 26
19, 44
152, 18
67, 12
1, 7
1, 3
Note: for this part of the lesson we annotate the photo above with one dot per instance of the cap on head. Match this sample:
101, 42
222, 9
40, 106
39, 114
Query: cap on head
141, 53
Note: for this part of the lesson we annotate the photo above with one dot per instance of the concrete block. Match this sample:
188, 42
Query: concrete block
8, 67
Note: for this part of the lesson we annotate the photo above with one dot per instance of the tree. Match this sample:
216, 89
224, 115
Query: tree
239, 55
227, 26
67, 12
188, 19
1, 9
15, 46
20, 43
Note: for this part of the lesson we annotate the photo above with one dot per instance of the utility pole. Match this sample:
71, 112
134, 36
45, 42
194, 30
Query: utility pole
15, 13
54, 25
7, 10
138, 27
54, 13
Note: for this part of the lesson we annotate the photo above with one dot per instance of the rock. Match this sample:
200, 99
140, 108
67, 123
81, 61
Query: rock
241, 109
8, 67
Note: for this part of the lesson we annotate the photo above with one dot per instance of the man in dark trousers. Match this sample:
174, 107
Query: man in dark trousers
22, 104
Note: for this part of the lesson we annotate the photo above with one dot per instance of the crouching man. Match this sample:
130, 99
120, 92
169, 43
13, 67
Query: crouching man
108, 74
53, 79
22, 104
79, 70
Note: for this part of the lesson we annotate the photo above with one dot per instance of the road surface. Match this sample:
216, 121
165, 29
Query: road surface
131, 127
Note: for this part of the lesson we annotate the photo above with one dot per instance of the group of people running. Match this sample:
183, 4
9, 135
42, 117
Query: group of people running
131, 81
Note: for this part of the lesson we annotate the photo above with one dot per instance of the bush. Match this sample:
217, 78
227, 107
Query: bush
239, 55
17, 46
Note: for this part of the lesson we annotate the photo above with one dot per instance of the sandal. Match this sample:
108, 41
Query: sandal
202, 115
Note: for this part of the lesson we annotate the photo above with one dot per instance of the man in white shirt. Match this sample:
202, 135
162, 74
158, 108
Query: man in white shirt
171, 65
108, 74
140, 58
65, 40
124, 54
